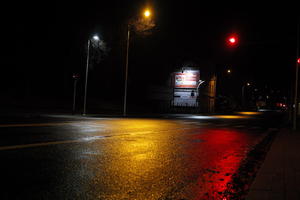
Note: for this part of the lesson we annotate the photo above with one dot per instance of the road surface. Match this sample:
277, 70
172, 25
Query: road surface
183, 157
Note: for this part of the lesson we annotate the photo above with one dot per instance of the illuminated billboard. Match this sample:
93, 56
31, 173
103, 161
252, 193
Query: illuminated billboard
186, 84
187, 79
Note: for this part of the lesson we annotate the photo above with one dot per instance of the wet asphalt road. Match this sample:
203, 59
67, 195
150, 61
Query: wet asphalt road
190, 157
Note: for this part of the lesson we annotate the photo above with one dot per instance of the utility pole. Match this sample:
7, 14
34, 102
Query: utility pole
76, 78
296, 83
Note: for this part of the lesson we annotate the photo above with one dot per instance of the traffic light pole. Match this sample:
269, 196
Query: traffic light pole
296, 83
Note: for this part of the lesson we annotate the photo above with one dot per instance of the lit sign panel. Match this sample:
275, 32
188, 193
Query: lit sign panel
187, 79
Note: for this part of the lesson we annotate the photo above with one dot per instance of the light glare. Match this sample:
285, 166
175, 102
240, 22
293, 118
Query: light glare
249, 113
232, 40
147, 13
95, 37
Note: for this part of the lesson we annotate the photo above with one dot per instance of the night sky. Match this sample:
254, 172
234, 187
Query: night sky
47, 44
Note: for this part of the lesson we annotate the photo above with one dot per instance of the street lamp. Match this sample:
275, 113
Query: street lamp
95, 38
146, 14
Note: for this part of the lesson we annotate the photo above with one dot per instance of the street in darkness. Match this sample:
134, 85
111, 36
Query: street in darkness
150, 100
171, 157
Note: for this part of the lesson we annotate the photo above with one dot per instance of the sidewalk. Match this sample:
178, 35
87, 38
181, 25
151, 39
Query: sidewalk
279, 175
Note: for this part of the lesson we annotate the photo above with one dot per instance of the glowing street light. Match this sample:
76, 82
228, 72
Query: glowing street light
95, 38
228, 71
147, 13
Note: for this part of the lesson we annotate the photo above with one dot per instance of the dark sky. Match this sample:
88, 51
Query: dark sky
47, 43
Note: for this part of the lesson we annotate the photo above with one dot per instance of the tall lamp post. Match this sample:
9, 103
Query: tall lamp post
146, 14
95, 38
126, 71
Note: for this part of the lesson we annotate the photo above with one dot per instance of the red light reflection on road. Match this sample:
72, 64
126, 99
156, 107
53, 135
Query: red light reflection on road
219, 156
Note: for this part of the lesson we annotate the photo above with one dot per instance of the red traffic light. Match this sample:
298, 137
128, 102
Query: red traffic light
298, 61
232, 40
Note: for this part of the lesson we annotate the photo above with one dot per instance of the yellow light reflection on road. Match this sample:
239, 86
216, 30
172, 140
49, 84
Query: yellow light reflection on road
137, 125
230, 116
161, 159
135, 161
249, 113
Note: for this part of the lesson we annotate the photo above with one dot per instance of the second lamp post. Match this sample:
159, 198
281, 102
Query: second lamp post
95, 38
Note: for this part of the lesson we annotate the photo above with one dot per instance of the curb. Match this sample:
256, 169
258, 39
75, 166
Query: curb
243, 179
